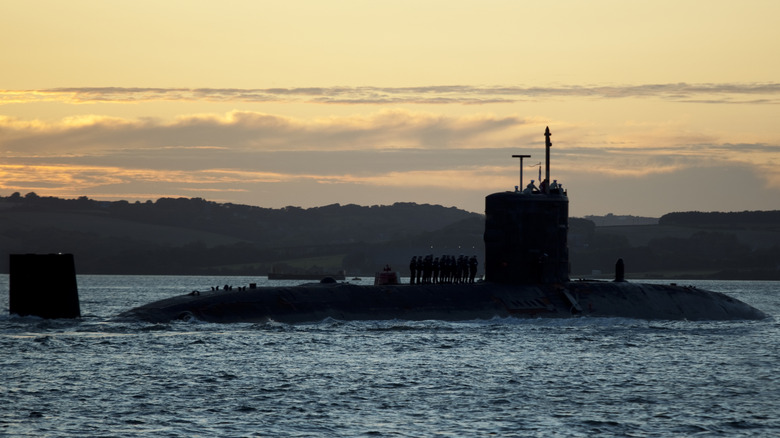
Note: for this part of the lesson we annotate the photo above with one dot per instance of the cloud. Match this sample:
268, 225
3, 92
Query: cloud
714, 93
241, 151
706, 187
357, 144
257, 131
380, 157
702, 186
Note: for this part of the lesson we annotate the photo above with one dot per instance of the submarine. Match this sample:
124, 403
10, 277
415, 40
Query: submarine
526, 268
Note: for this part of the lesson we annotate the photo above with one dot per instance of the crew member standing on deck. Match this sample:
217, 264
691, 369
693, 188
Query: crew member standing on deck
412, 269
427, 269
473, 268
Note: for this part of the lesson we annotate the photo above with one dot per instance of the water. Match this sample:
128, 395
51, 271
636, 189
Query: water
503, 377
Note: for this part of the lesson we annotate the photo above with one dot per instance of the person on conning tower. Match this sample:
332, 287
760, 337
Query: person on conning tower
530, 188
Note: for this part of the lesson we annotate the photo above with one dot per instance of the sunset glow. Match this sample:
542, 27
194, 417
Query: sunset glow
654, 106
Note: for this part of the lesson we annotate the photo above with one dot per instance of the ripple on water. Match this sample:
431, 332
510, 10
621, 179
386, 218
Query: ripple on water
505, 377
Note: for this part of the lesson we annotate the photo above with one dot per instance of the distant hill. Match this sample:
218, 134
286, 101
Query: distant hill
193, 236
729, 219
741, 245
614, 220
199, 237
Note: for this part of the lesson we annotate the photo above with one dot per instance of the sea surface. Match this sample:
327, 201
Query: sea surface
577, 377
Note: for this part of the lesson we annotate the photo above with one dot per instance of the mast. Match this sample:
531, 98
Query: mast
547, 144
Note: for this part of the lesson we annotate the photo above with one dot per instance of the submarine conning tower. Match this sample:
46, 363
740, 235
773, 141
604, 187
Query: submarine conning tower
526, 231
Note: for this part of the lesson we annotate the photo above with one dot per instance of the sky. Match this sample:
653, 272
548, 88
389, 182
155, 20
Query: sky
654, 106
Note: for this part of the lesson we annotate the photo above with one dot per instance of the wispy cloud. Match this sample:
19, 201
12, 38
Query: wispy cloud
257, 131
394, 139
714, 93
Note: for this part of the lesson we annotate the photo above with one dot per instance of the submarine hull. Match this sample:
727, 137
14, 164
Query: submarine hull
341, 301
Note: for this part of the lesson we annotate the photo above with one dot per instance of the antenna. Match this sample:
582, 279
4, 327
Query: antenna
547, 144
521, 168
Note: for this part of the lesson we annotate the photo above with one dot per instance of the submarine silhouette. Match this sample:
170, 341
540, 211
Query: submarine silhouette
526, 274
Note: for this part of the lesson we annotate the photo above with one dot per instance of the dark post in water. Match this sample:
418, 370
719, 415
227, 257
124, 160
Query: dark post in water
43, 285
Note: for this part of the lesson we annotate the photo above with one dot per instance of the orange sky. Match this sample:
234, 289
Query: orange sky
654, 106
